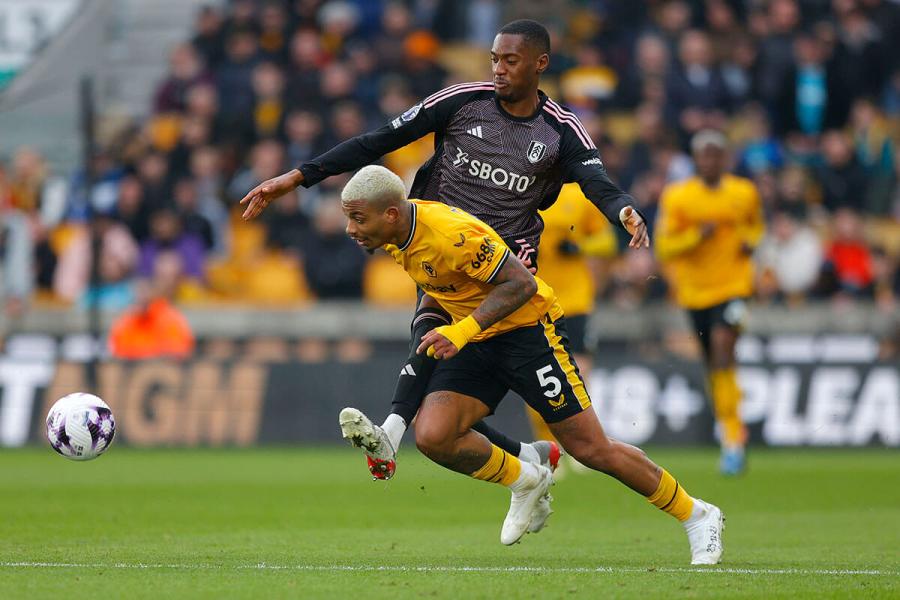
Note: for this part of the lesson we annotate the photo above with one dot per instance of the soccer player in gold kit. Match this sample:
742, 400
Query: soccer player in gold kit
707, 229
507, 332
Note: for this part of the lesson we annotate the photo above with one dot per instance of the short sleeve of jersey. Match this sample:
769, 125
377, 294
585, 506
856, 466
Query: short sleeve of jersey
481, 255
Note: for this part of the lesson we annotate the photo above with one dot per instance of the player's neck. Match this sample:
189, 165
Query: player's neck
404, 225
525, 107
712, 182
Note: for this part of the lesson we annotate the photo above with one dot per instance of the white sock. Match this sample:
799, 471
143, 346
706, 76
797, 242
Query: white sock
527, 476
528, 453
697, 513
394, 426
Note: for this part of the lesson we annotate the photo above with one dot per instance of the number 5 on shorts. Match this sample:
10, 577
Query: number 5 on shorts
545, 380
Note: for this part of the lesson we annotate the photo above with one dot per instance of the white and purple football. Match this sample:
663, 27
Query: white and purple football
80, 426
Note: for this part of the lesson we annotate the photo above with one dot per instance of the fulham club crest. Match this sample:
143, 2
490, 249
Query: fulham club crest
536, 151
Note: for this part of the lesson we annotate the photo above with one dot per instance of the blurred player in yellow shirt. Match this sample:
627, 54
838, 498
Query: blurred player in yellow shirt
707, 229
574, 233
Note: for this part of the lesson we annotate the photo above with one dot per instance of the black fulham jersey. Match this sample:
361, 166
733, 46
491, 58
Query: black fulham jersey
493, 165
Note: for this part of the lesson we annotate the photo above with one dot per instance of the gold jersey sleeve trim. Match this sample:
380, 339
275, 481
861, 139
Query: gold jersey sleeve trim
499, 266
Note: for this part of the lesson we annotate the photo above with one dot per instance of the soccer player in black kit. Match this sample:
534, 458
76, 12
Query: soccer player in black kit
502, 151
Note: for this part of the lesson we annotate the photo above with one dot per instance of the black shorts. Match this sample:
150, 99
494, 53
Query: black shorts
731, 313
577, 327
535, 362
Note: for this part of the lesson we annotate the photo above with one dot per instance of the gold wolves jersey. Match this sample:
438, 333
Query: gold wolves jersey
709, 271
454, 257
573, 219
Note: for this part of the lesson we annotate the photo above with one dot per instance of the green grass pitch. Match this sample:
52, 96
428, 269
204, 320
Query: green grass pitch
309, 523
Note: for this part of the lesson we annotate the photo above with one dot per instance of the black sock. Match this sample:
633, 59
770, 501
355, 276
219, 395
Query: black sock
497, 438
417, 370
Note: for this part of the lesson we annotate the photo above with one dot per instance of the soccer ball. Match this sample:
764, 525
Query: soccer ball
80, 426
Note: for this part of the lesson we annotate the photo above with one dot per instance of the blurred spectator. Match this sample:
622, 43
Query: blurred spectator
16, 246
860, 61
234, 76
152, 327
761, 151
168, 235
96, 266
650, 129
268, 105
842, 178
208, 40
848, 269
273, 34
590, 83
777, 27
290, 230
153, 171
303, 130
887, 279
186, 70
789, 259
396, 24
651, 62
307, 59
104, 183
792, 193
131, 210
696, 94
187, 205
421, 66
333, 262
875, 151
347, 121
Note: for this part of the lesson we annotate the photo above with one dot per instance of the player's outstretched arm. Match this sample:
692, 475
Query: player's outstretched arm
513, 284
259, 197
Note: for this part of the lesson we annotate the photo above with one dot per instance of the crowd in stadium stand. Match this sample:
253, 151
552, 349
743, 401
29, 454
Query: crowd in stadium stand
808, 92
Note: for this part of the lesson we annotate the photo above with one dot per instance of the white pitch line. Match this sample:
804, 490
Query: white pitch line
447, 569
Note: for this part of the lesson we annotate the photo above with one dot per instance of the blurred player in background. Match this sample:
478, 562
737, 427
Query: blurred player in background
507, 331
503, 150
574, 233
707, 230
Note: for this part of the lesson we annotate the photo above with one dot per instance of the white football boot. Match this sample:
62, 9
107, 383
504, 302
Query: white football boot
525, 499
549, 454
374, 442
705, 529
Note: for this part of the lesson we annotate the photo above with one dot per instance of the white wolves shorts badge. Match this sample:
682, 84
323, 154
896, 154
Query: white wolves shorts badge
536, 151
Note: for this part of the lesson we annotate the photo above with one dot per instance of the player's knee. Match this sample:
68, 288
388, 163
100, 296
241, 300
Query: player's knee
596, 455
433, 440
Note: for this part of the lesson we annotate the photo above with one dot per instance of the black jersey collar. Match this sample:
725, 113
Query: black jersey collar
412, 228
542, 99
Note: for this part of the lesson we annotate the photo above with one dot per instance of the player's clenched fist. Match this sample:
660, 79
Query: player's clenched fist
447, 341
259, 197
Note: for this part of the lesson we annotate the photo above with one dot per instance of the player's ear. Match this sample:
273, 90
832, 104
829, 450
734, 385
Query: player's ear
543, 62
392, 214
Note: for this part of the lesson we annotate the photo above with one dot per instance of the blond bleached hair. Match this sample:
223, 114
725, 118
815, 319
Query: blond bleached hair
374, 184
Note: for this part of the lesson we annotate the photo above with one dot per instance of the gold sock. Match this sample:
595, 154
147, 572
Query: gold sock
502, 467
671, 498
538, 426
726, 401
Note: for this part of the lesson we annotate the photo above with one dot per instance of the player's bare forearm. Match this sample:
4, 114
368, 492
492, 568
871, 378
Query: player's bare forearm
514, 285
